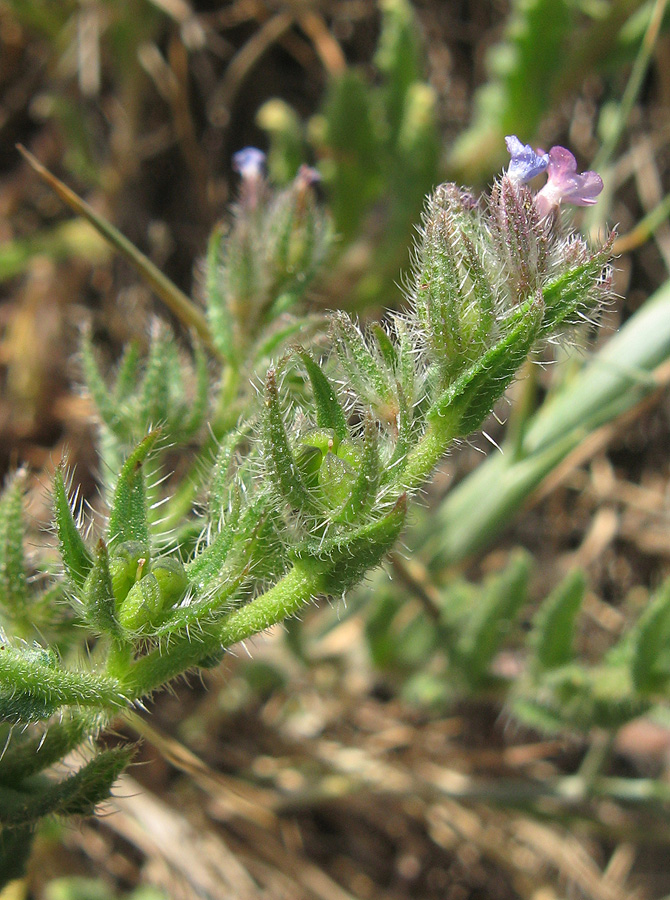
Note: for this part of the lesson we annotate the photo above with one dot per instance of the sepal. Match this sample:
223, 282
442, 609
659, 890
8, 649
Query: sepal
128, 518
74, 553
278, 453
98, 594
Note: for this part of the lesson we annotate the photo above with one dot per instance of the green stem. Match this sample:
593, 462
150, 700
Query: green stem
54, 686
425, 456
185, 651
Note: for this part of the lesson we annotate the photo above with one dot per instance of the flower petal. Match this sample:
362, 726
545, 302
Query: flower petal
525, 162
249, 162
565, 184
584, 189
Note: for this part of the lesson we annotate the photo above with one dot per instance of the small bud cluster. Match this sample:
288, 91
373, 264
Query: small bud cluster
263, 264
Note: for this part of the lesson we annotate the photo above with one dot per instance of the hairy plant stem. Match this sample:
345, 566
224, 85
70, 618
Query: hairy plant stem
186, 650
428, 452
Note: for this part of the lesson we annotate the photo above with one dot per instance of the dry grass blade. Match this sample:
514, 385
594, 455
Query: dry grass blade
200, 857
175, 299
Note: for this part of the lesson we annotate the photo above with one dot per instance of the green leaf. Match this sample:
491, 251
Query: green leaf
574, 697
221, 322
465, 403
107, 404
398, 59
73, 551
364, 490
126, 377
220, 489
26, 756
650, 661
491, 619
440, 300
200, 401
571, 295
329, 412
367, 374
154, 398
209, 562
128, 518
77, 795
33, 685
354, 151
98, 594
278, 453
554, 622
13, 582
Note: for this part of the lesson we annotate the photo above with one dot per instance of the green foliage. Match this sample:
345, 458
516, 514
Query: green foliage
76, 795
649, 642
434, 660
614, 380
491, 618
13, 584
261, 266
129, 516
306, 485
73, 551
522, 70
548, 49
377, 148
160, 391
554, 622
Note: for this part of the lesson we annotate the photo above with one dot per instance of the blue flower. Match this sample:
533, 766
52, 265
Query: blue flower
525, 163
249, 162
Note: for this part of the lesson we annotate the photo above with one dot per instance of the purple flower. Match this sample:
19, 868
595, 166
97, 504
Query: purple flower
565, 184
249, 162
525, 163
307, 176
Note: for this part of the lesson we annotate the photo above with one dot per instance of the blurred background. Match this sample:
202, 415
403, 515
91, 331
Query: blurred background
346, 758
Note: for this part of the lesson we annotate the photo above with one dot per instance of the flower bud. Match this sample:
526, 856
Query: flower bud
126, 566
329, 465
150, 599
297, 231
